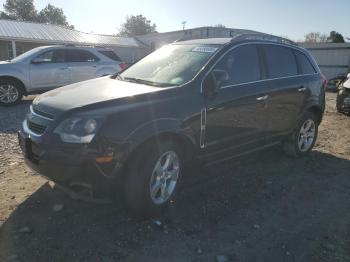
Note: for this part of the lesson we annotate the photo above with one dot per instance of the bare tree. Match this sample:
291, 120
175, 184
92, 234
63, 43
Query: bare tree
315, 37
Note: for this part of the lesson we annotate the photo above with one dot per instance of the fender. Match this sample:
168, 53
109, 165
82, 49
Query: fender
313, 102
158, 127
12, 71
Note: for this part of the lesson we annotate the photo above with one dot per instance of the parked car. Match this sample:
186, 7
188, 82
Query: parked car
335, 83
207, 100
49, 67
343, 97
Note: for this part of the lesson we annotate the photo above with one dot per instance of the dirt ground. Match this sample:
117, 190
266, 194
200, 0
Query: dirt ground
265, 207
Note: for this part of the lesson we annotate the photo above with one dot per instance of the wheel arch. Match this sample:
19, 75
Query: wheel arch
17, 80
317, 110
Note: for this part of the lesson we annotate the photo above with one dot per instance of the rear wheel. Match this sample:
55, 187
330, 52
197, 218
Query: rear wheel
303, 138
11, 92
152, 178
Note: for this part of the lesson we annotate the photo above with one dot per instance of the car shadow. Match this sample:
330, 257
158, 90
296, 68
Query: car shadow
263, 207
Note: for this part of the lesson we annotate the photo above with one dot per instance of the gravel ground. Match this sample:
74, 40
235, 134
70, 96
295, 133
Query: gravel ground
265, 207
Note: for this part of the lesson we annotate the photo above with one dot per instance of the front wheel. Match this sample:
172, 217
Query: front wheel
152, 178
10, 92
303, 139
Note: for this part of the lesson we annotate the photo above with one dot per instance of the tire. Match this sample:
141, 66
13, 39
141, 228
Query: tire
294, 146
141, 177
339, 103
11, 92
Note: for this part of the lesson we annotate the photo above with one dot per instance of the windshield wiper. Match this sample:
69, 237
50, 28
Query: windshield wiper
146, 82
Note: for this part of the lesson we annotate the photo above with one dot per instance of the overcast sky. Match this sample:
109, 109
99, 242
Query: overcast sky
292, 18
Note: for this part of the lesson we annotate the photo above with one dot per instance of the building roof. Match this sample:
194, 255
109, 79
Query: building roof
34, 32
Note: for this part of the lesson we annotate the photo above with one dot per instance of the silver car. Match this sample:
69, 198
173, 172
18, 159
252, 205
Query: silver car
48, 67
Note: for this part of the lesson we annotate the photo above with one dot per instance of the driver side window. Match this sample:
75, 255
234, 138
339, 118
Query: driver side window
53, 56
241, 64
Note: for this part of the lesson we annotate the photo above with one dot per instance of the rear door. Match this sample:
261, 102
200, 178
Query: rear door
238, 113
82, 64
49, 70
288, 91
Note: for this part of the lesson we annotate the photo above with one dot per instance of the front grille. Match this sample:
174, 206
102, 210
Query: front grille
41, 113
36, 128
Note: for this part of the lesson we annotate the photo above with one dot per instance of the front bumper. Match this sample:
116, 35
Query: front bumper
69, 165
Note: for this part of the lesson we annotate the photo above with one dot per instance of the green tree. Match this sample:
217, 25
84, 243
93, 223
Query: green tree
53, 15
335, 37
137, 25
23, 10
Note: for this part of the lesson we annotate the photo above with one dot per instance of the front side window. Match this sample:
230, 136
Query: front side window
80, 56
305, 65
53, 56
280, 61
170, 65
241, 64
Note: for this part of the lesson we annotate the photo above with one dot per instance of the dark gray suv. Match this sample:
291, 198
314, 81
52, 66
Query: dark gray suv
207, 100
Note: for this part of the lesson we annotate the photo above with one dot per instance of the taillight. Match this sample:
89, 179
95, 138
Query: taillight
324, 81
122, 66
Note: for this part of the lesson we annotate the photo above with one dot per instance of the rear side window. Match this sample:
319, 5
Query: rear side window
111, 55
305, 65
280, 61
242, 65
80, 56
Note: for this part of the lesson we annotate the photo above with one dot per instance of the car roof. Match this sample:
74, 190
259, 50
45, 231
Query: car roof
205, 41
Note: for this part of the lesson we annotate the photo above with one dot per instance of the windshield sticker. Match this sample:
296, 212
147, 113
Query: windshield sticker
204, 49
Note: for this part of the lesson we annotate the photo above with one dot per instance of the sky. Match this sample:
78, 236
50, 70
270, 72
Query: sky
291, 18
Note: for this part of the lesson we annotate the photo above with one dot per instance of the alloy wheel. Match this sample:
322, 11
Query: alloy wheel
306, 135
8, 94
164, 177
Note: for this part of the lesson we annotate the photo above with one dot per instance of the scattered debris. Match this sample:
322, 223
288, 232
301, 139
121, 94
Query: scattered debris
199, 250
221, 258
25, 230
57, 207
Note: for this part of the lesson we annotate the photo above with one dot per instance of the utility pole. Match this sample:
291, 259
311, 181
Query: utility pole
183, 25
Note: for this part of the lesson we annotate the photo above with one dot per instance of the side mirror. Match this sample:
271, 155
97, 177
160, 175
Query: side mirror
220, 77
39, 60
348, 76
213, 82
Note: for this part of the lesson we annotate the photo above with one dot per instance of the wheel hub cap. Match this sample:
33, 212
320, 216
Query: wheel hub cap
164, 177
306, 135
8, 94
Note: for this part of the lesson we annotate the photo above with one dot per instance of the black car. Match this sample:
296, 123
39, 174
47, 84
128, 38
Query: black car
206, 100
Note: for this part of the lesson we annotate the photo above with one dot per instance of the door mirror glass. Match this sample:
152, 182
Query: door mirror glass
220, 77
39, 60
213, 82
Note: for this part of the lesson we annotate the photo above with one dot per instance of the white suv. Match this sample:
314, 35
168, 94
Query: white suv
48, 67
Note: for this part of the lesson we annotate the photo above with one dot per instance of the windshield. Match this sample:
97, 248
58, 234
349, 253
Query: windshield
26, 54
170, 65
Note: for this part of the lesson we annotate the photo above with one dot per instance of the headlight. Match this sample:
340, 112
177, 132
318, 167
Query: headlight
78, 129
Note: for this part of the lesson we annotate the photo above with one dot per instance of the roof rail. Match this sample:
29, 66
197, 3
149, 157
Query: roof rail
262, 36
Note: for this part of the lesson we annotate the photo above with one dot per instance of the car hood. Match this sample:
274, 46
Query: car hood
88, 93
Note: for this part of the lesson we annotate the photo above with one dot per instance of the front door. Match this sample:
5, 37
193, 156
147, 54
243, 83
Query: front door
237, 115
49, 70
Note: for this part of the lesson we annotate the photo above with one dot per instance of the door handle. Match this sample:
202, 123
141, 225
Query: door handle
302, 89
262, 98
64, 68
